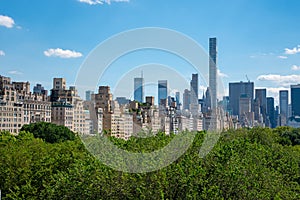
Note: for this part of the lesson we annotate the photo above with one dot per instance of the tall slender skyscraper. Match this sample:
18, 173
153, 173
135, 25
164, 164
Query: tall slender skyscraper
283, 106
194, 95
213, 72
162, 90
139, 89
261, 99
271, 112
194, 88
186, 99
177, 98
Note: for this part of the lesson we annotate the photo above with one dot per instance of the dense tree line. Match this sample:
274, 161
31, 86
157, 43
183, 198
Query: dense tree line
257, 163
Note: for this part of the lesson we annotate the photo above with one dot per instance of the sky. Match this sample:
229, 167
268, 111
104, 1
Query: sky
258, 39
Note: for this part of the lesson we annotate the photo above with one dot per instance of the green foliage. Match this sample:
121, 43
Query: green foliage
244, 164
288, 135
49, 132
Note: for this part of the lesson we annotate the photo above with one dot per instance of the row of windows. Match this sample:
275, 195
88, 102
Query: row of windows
10, 120
66, 108
10, 109
37, 106
32, 113
10, 115
61, 113
10, 125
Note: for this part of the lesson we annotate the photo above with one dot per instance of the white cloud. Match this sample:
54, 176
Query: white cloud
95, 2
280, 80
292, 51
2, 53
62, 53
222, 75
274, 92
6, 21
14, 72
282, 57
295, 68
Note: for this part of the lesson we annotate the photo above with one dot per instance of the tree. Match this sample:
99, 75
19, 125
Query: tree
49, 132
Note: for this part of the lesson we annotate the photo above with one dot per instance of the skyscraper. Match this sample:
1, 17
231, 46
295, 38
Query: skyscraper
162, 90
271, 112
186, 99
139, 89
213, 71
283, 106
194, 88
295, 99
194, 95
235, 92
88, 95
39, 89
177, 97
261, 98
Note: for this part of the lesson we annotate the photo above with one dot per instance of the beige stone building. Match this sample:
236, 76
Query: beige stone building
103, 100
18, 106
67, 107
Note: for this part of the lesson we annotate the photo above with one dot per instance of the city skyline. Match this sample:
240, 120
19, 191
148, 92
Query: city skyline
40, 44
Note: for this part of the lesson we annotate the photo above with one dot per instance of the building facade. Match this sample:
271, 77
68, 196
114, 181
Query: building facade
295, 100
162, 90
236, 90
139, 89
283, 107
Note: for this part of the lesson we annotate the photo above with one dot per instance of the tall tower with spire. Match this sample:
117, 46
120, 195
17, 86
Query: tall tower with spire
213, 72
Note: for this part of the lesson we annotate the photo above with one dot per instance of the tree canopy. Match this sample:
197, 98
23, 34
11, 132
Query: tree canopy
49, 132
259, 163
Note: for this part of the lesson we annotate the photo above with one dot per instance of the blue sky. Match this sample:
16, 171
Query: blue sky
40, 40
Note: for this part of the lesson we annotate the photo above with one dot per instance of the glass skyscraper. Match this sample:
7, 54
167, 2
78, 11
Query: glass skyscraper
139, 89
295, 99
162, 90
271, 112
213, 71
261, 99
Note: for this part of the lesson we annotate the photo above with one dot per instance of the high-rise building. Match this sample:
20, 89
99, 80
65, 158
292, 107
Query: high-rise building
283, 106
150, 100
60, 92
186, 99
245, 114
59, 84
88, 95
213, 71
67, 107
194, 88
244, 105
194, 104
104, 100
122, 101
177, 98
295, 99
162, 90
261, 99
271, 112
39, 89
139, 89
238, 89
18, 106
